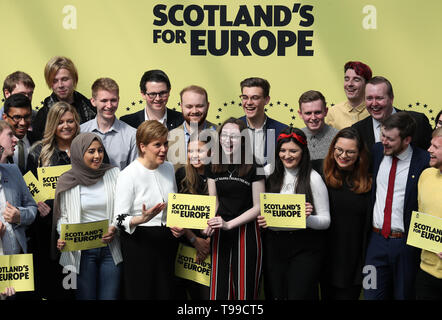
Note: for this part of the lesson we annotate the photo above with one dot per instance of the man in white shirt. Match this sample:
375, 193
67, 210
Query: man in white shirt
18, 113
119, 138
397, 166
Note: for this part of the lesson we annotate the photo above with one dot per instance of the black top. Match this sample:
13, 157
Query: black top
202, 182
234, 192
346, 240
82, 104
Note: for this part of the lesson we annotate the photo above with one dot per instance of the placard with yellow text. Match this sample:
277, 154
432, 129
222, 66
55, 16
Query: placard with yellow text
283, 210
187, 268
84, 236
17, 271
189, 210
48, 177
425, 232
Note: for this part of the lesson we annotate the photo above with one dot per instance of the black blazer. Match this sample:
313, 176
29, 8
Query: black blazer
174, 119
421, 137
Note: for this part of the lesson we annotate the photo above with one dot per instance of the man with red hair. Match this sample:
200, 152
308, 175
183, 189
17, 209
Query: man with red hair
352, 110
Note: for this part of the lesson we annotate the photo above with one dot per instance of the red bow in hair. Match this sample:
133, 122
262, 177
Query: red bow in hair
292, 135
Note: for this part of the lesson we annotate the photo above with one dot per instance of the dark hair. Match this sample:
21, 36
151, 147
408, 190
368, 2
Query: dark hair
401, 121
274, 181
359, 179
218, 166
154, 76
378, 80
257, 82
361, 69
17, 100
311, 95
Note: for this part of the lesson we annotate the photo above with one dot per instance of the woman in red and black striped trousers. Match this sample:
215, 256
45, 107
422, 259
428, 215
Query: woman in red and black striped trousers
236, 239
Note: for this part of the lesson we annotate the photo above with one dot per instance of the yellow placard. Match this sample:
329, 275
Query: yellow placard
17, 271
35, 187
48, 177
283, 210
425, 232
187, 268
189, 210
83, 236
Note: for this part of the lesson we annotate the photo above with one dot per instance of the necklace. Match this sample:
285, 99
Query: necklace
231, 172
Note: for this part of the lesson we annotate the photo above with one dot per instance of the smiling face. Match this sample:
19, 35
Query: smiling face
155, 152
194, 107
313, 114
63, 85
20, 126
290, 154
8, 141
377, 101
346, 153
392, 142
230, 138
156, 95
197, 153
435, 151
106, 103
354, 86
94, 155
253, 102
66, 128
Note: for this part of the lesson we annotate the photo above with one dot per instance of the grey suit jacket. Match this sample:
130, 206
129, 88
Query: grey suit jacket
18, 195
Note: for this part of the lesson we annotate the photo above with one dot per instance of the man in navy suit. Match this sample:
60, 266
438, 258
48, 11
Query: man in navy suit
254, 97
379, 103
155, 89
397, 166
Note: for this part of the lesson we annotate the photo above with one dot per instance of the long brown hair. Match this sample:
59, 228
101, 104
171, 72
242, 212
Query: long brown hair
359, 179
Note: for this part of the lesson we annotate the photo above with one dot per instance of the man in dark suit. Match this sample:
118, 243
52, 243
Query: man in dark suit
254, 97
396, 169
379, 103
155, 89
18, 113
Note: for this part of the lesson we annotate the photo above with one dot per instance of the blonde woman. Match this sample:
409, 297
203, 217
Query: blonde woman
63, 125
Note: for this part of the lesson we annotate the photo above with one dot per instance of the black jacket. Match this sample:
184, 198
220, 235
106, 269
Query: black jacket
174, 118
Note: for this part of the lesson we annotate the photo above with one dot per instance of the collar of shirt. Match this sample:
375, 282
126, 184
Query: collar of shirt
115, 126
357, 109
324, 131
163, 120
257, 129
404, 155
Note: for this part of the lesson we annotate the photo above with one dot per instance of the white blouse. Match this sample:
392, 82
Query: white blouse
137, 185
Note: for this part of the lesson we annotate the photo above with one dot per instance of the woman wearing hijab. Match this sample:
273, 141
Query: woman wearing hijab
86, 194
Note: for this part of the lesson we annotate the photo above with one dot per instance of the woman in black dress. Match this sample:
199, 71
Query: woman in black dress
349, 184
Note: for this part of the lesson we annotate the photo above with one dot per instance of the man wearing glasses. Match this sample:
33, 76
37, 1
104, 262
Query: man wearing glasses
155, 89
18, 82
313, 110
254, 97
18, 113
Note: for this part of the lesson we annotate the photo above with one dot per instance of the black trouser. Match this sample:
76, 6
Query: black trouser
149, 261
292, 264
428, 287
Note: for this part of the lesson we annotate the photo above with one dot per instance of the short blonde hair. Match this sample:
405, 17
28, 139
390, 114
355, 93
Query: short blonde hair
5, 124
148, 131
106, 84
437, 132
56, 63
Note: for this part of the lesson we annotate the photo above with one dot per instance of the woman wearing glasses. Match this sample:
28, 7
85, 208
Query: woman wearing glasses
236, 238
349, 185
292, 257
63, 125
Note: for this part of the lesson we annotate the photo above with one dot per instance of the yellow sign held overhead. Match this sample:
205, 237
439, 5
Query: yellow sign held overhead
283, 210
189, 210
